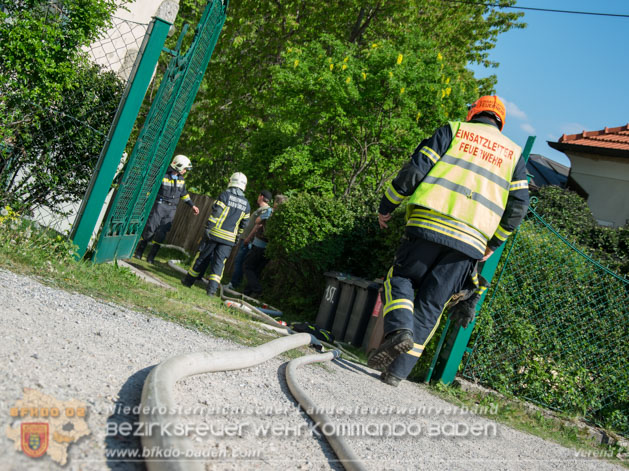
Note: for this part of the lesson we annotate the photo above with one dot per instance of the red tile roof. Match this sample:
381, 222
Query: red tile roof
609, 141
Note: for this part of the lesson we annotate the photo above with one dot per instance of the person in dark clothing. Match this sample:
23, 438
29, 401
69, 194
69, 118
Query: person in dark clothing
256, 259
264, 198
467, 191
230, 214
161, 217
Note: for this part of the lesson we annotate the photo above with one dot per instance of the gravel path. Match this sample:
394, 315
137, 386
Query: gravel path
70, 346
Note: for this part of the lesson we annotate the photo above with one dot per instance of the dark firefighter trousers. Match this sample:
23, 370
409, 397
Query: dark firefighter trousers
435, 273
159, 222
254, 263
211, 254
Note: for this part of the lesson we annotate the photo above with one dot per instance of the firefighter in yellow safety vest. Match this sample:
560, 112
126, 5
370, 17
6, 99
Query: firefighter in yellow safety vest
229, 216
467, 191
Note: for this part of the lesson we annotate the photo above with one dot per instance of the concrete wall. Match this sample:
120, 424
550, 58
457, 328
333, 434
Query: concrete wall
606, 180
120, 44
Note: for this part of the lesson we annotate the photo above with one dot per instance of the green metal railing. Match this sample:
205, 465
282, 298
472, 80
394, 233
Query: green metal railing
112, 151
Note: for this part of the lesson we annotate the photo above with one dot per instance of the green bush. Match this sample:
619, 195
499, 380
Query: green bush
56, 106
570, 215
310, 235
306, 237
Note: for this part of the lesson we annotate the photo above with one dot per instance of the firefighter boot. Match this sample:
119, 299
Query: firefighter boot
188, 280
139, 250
394, 345
151, 256
212, 288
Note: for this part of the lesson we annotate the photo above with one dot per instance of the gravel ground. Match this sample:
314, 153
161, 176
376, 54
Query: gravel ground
70, 346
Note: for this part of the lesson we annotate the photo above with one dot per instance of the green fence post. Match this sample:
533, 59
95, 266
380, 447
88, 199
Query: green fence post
448, 371
119, 133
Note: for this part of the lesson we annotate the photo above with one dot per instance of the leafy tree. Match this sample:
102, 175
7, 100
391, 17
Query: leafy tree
234, 100
342, 117
55, 107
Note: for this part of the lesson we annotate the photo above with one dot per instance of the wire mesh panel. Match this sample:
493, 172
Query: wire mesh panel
158, 139
118, 48
555, 329
50, 142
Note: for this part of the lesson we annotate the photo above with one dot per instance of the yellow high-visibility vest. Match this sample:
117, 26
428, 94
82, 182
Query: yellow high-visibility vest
471, 181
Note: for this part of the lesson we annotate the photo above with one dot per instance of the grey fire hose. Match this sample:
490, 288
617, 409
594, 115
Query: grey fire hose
247, 303
158, 408
345, 454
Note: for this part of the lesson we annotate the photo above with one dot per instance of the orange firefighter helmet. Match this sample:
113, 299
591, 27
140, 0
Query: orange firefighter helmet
491, 104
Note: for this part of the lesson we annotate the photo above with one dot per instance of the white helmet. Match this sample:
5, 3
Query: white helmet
239, 180
181, 163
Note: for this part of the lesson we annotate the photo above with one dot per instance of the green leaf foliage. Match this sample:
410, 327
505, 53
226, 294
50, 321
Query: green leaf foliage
40, 42
55, 106
344, 117
52, 151
568, 213
310, 235
252, 89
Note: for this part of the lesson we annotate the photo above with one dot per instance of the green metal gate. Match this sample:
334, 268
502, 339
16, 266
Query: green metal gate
158, 138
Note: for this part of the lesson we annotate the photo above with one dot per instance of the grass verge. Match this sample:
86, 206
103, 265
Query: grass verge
559, 428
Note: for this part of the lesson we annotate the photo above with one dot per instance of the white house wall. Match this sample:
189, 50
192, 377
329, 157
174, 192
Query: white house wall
119, 46
606, 180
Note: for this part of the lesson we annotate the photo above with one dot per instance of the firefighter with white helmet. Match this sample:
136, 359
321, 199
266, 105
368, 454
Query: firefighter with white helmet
230, 214
181, 163
467, 191
159, 222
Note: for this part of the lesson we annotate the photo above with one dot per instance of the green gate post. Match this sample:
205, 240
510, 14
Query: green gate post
119, 134
448, 371
158, 138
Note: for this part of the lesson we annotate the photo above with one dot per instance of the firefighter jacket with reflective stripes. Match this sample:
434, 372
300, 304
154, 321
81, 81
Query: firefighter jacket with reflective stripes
173, 189
230, 214
467, 186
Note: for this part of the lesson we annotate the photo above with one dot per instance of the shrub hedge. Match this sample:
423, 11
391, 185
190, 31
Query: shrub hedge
555, 330
310, 235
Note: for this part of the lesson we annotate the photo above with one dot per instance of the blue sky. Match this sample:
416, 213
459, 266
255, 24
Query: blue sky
563, 73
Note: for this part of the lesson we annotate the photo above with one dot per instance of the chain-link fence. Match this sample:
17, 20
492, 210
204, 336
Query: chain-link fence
554, 329
118, 47
49, 147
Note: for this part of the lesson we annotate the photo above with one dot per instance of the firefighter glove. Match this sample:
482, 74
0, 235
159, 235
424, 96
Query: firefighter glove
463, 312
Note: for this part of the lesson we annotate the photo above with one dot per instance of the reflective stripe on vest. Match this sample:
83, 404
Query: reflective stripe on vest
217, 222
471, 181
